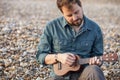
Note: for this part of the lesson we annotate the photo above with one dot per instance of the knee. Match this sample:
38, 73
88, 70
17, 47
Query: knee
92, 72
93, 68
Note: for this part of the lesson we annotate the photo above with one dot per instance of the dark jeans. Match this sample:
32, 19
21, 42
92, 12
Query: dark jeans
91, 72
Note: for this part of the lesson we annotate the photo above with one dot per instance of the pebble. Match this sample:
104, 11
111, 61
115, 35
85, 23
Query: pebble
22, 26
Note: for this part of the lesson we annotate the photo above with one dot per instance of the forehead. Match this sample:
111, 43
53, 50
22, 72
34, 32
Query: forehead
70, 8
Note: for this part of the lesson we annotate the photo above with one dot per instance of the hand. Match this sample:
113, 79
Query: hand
67, 58
95, 61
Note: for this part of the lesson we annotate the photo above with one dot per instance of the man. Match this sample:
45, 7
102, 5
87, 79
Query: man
70, 35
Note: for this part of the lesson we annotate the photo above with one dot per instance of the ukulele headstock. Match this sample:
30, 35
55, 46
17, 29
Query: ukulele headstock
110, 57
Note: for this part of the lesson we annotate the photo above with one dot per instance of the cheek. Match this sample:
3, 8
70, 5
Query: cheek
69, 19
80, 15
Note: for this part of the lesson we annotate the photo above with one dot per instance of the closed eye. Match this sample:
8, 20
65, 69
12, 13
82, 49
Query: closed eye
69, 15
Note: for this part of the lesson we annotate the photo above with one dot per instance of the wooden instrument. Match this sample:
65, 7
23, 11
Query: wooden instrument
62, 69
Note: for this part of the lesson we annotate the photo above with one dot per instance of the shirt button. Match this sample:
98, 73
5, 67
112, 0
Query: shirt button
86, 44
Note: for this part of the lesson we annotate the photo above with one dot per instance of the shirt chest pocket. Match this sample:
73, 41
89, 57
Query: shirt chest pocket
62, 44
85, 45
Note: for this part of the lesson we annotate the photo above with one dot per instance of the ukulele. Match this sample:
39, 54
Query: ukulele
62, 69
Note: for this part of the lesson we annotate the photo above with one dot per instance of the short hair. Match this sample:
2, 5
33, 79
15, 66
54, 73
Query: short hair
68, 3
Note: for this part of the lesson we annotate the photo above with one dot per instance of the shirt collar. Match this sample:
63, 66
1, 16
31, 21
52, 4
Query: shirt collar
85, 24
64, 22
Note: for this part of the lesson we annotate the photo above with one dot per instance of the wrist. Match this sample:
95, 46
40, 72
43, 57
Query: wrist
56, 57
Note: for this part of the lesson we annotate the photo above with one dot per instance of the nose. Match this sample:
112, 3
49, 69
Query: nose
74, 17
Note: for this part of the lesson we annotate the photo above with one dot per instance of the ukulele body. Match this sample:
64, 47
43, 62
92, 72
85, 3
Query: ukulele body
61, 69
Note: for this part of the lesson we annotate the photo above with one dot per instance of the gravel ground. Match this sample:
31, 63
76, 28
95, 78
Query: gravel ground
22, 22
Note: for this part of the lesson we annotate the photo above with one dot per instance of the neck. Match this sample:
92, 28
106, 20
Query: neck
77, 28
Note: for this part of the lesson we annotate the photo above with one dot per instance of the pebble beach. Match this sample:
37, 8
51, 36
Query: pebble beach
22, 23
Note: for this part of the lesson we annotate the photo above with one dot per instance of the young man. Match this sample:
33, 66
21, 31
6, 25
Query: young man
70, 35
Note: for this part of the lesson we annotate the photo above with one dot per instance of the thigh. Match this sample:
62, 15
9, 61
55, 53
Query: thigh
92, 72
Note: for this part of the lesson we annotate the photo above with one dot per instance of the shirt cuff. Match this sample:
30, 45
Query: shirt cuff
41, 59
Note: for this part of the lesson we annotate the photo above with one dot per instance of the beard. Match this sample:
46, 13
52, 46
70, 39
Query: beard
77, 22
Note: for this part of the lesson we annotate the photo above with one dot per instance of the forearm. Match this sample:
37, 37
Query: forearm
64, 58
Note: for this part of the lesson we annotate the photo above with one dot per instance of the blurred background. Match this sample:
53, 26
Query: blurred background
22, 23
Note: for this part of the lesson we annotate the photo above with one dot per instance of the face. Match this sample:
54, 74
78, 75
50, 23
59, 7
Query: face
73, 15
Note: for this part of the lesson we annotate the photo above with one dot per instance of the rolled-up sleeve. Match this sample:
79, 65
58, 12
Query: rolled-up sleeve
44, 46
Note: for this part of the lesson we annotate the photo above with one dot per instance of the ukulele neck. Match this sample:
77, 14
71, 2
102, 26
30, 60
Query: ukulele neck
86, 60
83, 61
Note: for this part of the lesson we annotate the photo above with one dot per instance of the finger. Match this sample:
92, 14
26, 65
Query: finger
69, 62
72, 56
90, 62
98, 61
93, 60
